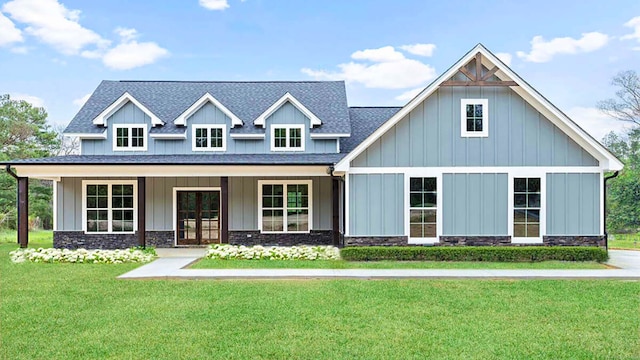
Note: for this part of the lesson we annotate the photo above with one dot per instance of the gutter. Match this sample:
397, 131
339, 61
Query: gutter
604, 215
10, 172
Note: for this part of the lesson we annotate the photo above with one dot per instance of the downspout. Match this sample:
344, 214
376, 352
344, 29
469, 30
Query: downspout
604, 215
15, 176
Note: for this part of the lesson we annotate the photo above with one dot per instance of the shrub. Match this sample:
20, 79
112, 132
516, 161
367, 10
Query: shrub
224, 251
475, 253
41, 255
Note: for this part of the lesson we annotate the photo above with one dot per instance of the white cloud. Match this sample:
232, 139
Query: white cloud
20, 50
79, 102
33, 100
9, 34
390, 70
635, 25
129, 53
505, 58
408, 95
595, 122
54, 24
419, 49
214, 4
543, 51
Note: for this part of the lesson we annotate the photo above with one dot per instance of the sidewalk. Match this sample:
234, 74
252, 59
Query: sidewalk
628, 263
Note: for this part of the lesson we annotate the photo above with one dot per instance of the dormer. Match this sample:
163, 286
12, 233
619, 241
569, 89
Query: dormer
101, 119
314, 120
205, 99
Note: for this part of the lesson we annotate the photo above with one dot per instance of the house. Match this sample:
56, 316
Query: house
479, 157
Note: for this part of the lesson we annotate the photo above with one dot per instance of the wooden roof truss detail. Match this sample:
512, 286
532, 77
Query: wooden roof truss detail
476, 77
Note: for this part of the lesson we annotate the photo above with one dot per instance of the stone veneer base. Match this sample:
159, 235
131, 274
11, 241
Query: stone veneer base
78, 239
255, 237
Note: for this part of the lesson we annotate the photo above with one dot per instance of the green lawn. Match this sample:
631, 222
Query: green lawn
624, 241
38, 238
341, 264
80, 311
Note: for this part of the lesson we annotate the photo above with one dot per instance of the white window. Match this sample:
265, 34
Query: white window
423, 207
130, 137
209, 137
109, 207
474, 118
527, 207
287, 137
284, 206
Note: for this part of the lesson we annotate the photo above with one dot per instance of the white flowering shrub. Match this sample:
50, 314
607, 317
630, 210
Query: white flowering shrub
41, 255
224, 251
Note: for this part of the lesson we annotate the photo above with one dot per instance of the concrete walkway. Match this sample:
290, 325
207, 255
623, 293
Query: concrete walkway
627, 262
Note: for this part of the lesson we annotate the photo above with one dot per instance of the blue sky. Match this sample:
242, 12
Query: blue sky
55, 52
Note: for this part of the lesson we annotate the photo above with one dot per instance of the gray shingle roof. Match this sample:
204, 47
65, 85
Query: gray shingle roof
247, 100
364, 121
199, 159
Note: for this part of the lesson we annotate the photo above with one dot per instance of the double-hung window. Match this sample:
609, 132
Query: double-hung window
285, 206
423, 207
130, 137
109, 207
209, 138
287, 138
474, 118
527, 206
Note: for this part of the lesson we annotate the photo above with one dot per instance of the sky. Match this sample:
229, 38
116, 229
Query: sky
54, 53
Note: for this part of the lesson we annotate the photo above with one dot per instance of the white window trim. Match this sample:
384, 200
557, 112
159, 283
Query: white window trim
209, 127
175, 207
109, 184
284, 183
485, 117
287, 127
114, 134
543, 206
407, 206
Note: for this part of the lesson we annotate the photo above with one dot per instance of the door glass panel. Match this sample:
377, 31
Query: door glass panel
198, 217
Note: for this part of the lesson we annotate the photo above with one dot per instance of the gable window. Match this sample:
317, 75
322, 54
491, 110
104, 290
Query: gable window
423, 208
109, 207
527, 205
285, 206
287, 138
474, 117
129, 137
209, 138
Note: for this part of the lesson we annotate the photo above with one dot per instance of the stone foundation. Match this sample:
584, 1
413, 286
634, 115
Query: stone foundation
78, 239
254, 237
475, 241
562, 240
376, 241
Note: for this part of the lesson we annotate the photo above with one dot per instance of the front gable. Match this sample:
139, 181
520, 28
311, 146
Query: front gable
524, 129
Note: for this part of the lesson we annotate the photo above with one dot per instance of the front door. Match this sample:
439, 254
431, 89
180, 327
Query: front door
198, 217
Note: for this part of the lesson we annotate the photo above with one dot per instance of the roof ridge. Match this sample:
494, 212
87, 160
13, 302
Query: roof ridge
228, 81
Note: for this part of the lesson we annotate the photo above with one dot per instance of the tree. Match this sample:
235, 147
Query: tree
68, 145
24, 133
626, 105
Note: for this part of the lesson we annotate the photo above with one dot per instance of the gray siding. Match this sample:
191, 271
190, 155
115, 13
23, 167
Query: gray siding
573, 204
475, 204
430, 135
207, 114
243, 201
376, 204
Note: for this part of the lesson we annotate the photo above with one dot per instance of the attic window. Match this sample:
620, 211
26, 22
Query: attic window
287, 138
474, 118
129, 137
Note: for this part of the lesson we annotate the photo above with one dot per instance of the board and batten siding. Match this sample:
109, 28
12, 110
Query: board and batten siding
207, 114
376, 205
430, 135
573, 204
475, 204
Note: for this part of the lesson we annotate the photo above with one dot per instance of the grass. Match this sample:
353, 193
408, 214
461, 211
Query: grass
37, 238
80, 311
341, 264
624, 241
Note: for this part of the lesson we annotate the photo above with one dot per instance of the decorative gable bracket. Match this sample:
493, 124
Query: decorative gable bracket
207, 98
476, 77
314, 120
101, 119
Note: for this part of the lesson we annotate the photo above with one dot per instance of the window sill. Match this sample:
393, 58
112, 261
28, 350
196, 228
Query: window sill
531, 240
419, 241
285, 232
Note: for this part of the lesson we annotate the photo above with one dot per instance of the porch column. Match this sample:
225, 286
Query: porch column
142, 211
336, 210
224, 212
23, 211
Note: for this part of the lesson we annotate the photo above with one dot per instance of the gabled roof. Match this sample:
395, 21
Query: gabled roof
313, 119
247, 100
364, 121
101, 119
206, 98
607, 160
